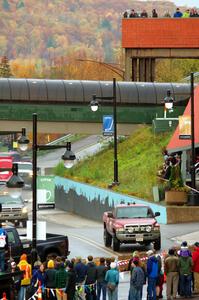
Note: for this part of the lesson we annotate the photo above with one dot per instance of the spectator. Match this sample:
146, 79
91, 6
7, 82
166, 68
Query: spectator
194, 13
171, 268
3, 247
133, 14
144, 14
50, 280
39, 276
91, 278
71, 282
160, 279
184, 250
125, 14
26, 277
154, 13
61, 278
195, 257
101, 283
81, 272
186, 14
167, 15
185, 268
136, 282
16, 281
178, 13
112, 279
152, 273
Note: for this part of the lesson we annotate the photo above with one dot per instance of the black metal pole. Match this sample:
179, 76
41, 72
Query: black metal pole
193, 177
34, 192
116, 181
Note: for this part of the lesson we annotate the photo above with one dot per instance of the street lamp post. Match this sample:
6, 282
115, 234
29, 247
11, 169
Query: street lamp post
68, 157
23, 141
193, 176
94, 107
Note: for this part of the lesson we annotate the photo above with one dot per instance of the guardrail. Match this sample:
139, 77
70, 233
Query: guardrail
61, 139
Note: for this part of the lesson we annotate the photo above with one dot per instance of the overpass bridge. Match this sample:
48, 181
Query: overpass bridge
63, 105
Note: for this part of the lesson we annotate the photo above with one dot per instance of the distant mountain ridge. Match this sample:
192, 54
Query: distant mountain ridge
47, 29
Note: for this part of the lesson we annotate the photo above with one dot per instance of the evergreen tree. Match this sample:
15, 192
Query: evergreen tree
6, 5
5, 68
20, 4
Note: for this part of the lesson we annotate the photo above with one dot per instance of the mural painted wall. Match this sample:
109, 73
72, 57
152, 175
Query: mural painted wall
90, 202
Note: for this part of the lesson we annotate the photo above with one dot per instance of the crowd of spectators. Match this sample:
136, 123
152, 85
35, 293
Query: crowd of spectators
61, 279
188, 13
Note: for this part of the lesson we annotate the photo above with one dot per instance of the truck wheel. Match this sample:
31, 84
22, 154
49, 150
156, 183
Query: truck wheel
116, 244
107, 238
157, 244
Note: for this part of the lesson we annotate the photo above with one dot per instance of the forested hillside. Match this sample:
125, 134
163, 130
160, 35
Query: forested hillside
49, 29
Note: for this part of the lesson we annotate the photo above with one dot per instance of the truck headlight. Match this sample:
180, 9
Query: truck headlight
157, 228
120, 229
24, 210
148, 229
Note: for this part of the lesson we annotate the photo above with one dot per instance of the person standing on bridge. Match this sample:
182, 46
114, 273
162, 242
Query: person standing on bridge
178, 13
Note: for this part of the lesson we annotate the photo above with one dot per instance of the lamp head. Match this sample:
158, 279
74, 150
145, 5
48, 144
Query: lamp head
168, 101
68, 157
94, 104
15, 183
23, 141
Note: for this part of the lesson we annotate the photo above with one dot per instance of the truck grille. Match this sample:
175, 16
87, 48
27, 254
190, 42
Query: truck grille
9, 209
137, 228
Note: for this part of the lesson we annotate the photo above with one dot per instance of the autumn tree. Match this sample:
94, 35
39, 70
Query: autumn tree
5, 68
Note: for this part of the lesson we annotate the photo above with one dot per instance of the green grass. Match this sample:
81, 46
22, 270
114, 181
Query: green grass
139, 158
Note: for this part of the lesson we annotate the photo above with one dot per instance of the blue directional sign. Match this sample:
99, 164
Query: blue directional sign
108, 125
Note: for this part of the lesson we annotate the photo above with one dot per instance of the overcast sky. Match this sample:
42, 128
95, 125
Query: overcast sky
189, 3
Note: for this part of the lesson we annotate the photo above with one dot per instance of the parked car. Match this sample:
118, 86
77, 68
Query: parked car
26, 173
13, 209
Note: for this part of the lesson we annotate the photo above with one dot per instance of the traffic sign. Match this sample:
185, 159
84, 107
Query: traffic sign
108, 123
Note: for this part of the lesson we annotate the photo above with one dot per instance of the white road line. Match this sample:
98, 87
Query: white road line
94, 244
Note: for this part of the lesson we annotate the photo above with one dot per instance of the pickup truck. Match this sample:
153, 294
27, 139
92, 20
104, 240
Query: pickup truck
129, 224
54, 245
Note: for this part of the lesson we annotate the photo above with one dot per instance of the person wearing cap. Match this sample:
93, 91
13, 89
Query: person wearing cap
112, 279
178, 13
50, 280
171, 268
25, 267
185, 269
195, 257
152, 274
136, 282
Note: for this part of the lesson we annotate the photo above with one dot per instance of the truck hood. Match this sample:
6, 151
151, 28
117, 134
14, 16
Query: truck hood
136, 221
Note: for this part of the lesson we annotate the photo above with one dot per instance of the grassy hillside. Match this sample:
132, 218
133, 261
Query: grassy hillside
139, 158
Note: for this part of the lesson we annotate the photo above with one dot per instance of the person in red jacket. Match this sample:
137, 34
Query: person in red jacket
195, 258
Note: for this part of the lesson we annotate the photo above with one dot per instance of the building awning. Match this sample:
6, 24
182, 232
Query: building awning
177, 144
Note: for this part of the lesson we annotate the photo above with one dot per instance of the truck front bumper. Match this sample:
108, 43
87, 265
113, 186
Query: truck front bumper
137, 237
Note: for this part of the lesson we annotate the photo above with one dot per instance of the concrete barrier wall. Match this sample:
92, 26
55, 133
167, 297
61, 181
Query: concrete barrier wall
90, 202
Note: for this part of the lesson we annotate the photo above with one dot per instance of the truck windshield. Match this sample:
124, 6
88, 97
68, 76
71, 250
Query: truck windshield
6, 199
134, 212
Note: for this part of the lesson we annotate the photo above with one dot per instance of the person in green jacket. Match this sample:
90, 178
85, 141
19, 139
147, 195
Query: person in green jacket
185, 269
61, 279
112, 279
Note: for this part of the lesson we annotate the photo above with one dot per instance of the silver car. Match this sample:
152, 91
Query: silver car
13, 210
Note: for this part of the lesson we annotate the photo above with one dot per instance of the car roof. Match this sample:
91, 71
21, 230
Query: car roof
23, 162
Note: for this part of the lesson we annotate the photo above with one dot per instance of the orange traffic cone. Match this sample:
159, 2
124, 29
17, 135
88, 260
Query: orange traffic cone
39, 292
4, 296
